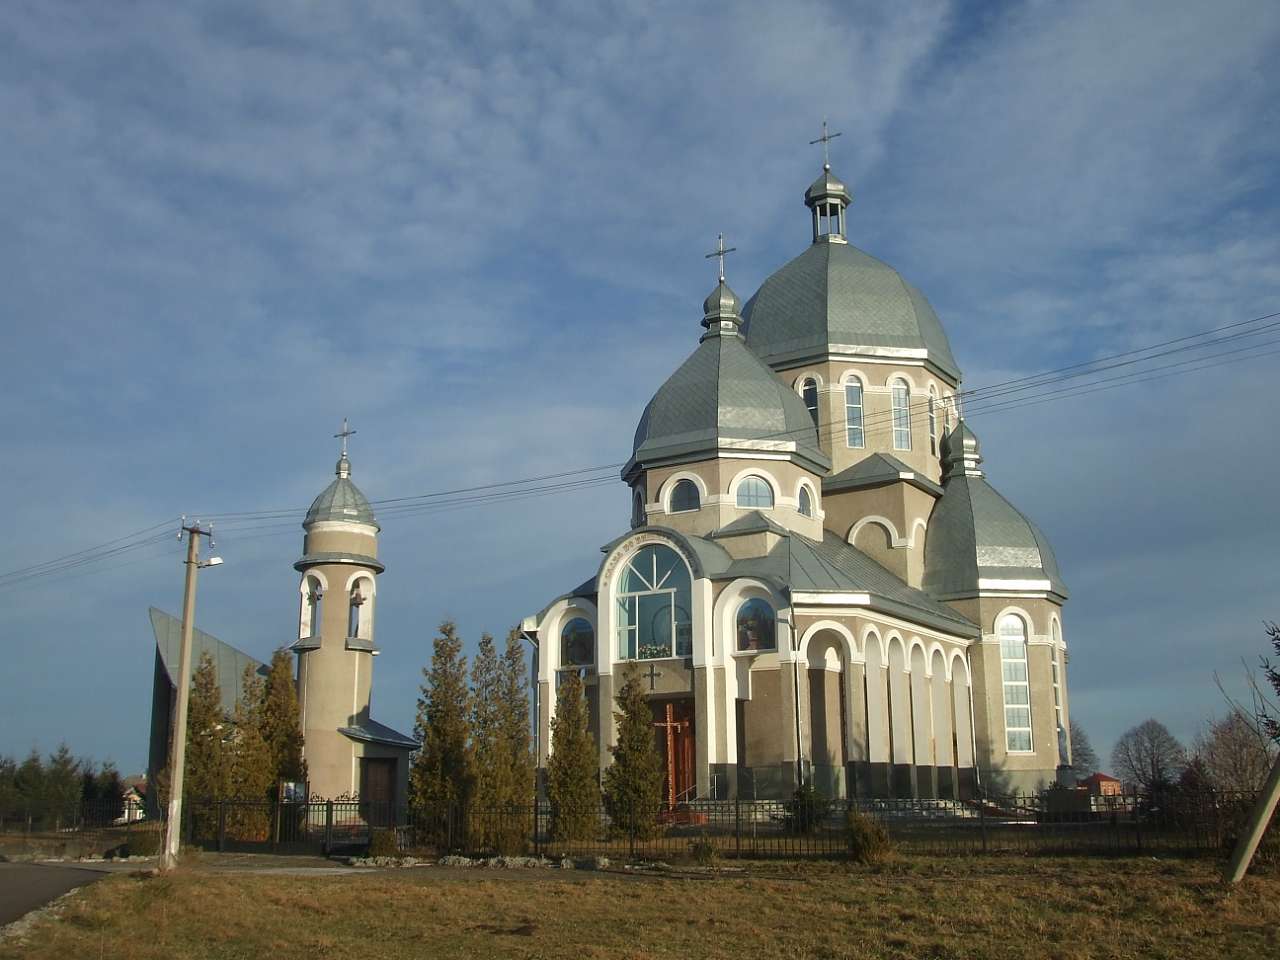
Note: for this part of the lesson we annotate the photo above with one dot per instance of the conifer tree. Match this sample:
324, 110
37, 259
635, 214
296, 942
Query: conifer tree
205, 775
440, 781
250, 765
282, 721
633, 782
487, 749
514, 720
63, 785
571, 769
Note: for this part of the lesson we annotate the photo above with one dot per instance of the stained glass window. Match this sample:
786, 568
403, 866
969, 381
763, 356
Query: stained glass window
577, 643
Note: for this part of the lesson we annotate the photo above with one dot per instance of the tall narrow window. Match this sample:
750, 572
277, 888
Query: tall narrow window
901, 416
312, 611
853, 413
1064, 749
684, 496
577, 644
805, 502
1017, 689
654, 603
637, 508
809, 393
755, 493
933, 422
359, 612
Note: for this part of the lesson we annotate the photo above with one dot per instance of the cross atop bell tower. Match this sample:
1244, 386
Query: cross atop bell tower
719, 253
825, 139
827, 197
344, 465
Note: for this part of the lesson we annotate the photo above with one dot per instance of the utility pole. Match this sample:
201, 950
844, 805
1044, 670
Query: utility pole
1247, 845
178, 745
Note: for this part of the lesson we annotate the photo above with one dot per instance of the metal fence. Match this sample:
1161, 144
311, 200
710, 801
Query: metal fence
1048, 823
1052, 822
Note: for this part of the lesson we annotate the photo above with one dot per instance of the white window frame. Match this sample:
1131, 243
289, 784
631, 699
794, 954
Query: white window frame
1018, 633
801, 494
901, 414
860, 441
933, 421
807, 383
629, 601
671, 500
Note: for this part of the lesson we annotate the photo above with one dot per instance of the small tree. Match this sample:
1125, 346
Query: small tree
488, 793
633, 782
572, 767
440, 781
250, 764
1234, 754
282, 721
31, 787
1149, 756
63, 786
206, 775
1084, 759
10, 802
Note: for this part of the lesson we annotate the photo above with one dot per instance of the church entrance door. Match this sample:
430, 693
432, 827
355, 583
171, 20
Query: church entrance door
674, 731
378, 790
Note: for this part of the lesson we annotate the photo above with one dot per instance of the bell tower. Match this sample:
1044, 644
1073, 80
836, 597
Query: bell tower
335, 647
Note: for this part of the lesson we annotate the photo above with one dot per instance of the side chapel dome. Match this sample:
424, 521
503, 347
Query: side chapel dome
975, 534
724, 392
836, 298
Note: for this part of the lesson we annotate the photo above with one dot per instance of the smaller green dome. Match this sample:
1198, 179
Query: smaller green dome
341, 500
827, 187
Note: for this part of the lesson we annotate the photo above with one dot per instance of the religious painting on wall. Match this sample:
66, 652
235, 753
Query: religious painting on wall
577, 644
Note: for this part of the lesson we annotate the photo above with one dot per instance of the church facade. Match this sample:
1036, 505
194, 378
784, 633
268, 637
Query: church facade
819, 584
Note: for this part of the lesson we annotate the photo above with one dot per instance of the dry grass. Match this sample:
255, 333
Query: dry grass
988, 908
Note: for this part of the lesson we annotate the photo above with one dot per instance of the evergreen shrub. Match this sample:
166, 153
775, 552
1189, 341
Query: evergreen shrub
867, 838
382, 843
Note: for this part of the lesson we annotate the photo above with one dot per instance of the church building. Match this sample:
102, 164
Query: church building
819, 584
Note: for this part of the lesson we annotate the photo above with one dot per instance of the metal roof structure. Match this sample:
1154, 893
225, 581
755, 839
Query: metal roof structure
976, 538
721, 396
371, 731
834, 298
227, 660
341, 500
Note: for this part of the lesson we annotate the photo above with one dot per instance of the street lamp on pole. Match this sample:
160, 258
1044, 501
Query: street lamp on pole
178, 744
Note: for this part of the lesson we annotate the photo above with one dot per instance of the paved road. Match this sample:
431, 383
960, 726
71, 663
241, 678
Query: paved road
26, 886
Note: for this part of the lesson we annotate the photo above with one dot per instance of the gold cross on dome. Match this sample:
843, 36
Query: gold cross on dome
346, 432
719, 253
825, 139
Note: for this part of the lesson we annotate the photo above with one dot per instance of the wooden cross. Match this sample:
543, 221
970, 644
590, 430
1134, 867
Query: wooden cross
719, 253
825, 139
346, 432
669, 727
653, 675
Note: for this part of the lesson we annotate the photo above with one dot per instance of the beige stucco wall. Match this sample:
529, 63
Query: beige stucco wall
877, 409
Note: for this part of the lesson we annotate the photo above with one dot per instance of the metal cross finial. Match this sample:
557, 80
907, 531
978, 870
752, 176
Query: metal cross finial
346, 432
825, 139
719, 253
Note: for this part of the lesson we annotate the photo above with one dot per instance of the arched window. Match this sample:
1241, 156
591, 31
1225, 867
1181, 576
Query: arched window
1017, 689
360, 610
312, 610
809, 393
684, 496
933, 422
755, 493
577, 644
637, 508
757, 626
853, 413
901, 416
654, 606
805, 502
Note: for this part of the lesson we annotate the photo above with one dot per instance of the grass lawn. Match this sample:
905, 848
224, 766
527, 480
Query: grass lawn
989, 908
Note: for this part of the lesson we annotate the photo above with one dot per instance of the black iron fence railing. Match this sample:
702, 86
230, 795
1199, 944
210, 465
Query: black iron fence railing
1066, 822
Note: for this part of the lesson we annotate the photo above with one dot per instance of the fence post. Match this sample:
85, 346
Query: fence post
737, 826
982, 820
1137, 821
328, 826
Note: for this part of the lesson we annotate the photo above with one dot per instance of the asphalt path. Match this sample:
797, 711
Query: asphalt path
26, 886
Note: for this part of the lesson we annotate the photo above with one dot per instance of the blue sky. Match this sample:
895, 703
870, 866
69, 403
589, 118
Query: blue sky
477, 230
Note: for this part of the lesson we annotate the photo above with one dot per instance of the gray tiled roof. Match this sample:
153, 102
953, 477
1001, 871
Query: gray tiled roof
834, 293
723, 392
341, 500
372, 731
976, 533
227, 660
877, 470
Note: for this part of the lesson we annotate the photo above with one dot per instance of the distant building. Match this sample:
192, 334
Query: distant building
1101, 785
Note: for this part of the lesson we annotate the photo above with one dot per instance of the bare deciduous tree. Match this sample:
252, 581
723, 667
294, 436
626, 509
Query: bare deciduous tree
1148, 756
1236, 755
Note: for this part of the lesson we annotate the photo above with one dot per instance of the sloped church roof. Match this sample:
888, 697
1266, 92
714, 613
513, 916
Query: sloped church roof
341, 500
